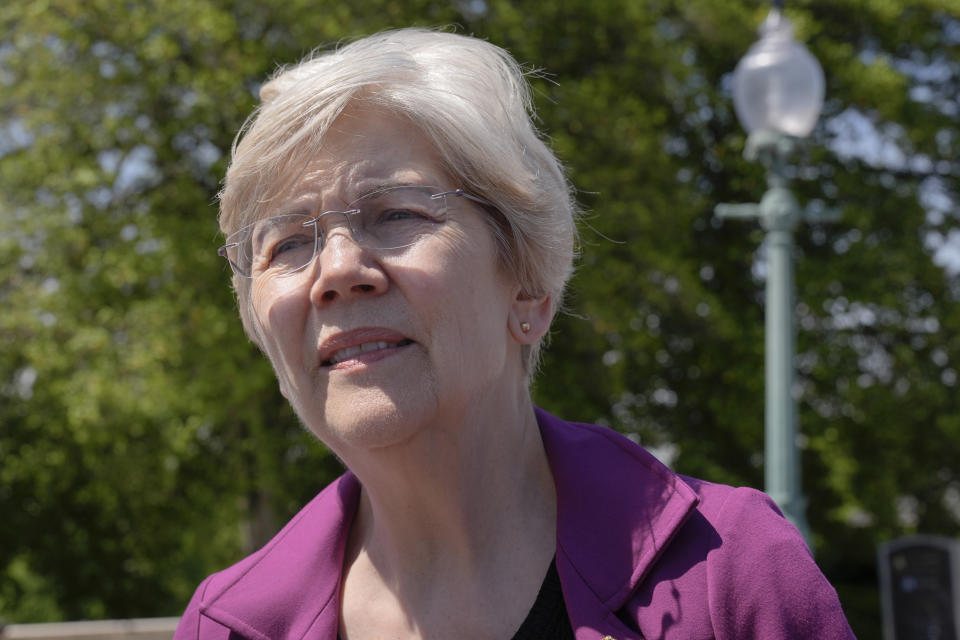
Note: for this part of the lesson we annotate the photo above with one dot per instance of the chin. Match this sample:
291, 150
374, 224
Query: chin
371, 419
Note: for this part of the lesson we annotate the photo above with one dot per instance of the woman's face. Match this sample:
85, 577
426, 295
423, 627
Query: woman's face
436, 316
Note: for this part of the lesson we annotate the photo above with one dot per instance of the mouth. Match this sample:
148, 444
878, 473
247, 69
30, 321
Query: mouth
353, 351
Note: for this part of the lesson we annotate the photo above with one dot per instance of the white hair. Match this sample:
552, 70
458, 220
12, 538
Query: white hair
469, 97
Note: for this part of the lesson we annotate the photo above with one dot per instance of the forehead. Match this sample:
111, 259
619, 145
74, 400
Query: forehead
364, 150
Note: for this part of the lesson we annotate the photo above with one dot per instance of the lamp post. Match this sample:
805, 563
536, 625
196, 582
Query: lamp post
778, 94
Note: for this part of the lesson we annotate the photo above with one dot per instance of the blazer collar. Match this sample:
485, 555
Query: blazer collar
290, 588
617, 508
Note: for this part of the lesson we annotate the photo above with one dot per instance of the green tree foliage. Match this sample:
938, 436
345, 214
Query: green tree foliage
143, 442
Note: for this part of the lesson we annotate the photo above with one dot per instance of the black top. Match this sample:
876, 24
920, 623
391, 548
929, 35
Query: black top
547, 619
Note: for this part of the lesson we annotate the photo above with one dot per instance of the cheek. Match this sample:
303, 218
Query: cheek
471, 301
279, 320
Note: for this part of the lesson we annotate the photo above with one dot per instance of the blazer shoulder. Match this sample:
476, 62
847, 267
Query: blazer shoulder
290, 547
763, 580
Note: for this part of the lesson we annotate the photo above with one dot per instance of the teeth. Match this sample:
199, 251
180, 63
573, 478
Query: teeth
366, 347
373, 346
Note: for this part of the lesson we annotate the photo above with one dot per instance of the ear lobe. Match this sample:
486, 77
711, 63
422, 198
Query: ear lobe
530, 318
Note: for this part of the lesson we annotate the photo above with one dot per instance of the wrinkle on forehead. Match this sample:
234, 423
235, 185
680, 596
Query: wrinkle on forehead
353, 161
323, 189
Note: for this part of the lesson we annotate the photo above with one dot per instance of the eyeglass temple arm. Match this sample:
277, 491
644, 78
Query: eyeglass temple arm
464, 194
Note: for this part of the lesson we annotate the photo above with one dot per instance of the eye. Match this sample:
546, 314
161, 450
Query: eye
290, 244
387, 216
393, 215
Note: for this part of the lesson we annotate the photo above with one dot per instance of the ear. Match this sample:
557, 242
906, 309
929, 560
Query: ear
530, 318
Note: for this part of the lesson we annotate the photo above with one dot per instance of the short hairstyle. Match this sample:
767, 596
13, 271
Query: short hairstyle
469, 97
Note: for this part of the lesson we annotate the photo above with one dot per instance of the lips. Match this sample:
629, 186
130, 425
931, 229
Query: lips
359, 342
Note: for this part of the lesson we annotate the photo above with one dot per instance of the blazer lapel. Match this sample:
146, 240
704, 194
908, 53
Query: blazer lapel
617, 509
291, 587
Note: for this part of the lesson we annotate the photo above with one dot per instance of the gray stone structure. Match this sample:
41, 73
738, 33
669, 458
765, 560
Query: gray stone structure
919, 588
133, 629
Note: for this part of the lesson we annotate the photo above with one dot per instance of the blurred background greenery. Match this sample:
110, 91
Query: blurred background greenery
143, 442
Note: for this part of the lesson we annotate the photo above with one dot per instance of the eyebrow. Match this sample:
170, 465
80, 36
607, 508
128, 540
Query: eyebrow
374, 188
255, 240
381, 186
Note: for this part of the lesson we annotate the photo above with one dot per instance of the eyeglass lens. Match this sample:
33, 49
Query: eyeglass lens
391, 218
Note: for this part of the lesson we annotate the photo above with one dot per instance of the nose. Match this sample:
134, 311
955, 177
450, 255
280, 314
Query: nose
344, 269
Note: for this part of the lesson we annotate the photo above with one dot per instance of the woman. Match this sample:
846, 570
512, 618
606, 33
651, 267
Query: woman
400, 238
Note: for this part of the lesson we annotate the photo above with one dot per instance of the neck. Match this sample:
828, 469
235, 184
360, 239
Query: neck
472, 501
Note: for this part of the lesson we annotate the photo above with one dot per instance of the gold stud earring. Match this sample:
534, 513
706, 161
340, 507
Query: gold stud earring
525, 327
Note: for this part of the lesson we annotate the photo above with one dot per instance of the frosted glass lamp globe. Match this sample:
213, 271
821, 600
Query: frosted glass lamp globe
778, 84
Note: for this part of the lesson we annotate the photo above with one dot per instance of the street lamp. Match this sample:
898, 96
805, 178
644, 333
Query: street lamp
778, 85
778, 95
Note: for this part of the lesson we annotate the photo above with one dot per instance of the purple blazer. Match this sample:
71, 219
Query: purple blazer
642, 553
